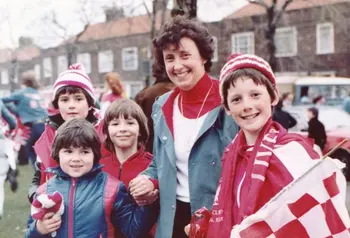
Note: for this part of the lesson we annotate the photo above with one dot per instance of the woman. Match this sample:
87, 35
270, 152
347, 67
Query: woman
191, 129
116, 91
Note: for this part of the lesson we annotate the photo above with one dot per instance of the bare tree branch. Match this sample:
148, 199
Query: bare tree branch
259, 2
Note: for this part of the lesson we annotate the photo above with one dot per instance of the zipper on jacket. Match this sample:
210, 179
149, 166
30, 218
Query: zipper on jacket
71, 208
120, 171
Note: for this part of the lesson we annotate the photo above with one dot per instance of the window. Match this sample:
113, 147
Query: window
132, 88
325, 38
37, 71
130, 59
4, 77
85, 60
286, 42
47, 67
215, 43
105, 61
243, 43
62, 64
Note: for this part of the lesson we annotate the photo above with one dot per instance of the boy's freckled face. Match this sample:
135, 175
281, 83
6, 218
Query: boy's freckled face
249, 105
73, 106
76, 161
123, 132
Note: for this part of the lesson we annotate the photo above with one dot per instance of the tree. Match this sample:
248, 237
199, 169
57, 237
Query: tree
274, 12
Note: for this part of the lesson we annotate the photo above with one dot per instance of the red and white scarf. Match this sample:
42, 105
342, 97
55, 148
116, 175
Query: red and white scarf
258, 172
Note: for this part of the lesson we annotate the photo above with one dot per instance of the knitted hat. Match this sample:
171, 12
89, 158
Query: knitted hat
242, 61
74, 76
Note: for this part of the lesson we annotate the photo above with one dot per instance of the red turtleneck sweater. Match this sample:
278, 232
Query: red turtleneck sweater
193, 100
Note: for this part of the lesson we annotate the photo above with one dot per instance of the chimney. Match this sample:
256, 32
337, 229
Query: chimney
114, 13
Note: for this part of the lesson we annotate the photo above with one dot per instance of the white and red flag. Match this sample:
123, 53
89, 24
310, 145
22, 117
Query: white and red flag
313, 205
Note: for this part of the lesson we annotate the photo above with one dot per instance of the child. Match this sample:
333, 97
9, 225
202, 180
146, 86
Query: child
126, 132
73, 97
255, 165
94, 202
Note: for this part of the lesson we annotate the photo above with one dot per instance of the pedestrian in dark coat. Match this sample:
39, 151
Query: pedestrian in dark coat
316, 128
282, 117
146, 97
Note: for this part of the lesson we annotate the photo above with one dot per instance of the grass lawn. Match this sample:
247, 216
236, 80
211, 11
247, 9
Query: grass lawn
16, 207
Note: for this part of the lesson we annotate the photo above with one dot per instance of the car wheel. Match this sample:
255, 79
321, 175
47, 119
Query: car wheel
344, 157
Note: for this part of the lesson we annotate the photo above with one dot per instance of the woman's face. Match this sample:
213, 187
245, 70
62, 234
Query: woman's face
185, 65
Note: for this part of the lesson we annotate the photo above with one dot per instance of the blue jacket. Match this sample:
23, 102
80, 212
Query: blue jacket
29, 104
204, 165
100, 203
7, 116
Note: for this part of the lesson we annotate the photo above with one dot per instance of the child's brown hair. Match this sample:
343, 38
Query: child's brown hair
257, 77
125, 108
76, 133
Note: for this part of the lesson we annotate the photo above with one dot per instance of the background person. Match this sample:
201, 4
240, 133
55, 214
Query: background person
316, 129
146, 98
31, 110
115, 90
191, 128
282, 117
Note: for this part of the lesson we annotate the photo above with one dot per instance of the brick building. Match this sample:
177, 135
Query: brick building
311, 38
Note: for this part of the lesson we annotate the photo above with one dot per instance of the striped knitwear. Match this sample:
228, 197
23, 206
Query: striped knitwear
74, 76
243, 61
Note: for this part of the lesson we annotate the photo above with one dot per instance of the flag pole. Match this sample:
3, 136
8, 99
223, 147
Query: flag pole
335, 148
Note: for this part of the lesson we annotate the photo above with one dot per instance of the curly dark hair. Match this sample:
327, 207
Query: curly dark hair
172, 32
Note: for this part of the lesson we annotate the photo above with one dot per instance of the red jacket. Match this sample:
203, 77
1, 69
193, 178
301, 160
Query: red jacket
125, 172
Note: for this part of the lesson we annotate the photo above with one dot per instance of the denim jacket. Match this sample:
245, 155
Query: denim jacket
204, 163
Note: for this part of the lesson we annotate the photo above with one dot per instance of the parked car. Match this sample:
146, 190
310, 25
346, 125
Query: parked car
337, 125
306, 88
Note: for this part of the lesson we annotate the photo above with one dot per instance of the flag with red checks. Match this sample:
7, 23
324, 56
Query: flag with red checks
311, 206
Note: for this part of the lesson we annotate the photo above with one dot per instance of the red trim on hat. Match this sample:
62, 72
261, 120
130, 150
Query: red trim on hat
74, 83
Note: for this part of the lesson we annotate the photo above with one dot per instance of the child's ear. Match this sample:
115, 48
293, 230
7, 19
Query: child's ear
277, 96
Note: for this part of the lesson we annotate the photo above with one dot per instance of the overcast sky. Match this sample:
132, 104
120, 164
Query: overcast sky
25, 17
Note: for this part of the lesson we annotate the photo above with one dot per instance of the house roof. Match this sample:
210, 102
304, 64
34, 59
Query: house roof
254, 9
121, 27
21, 54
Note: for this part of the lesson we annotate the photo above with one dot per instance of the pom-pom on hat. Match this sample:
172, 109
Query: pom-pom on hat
74, 76
242, 61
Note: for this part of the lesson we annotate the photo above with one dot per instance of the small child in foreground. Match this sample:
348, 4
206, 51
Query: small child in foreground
94, 202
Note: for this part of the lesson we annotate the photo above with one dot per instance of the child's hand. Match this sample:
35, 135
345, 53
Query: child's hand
188, 228
50, 223
147, 198
140, 186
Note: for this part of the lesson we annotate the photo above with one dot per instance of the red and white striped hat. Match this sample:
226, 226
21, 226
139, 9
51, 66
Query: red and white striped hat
74, 76
242, 61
